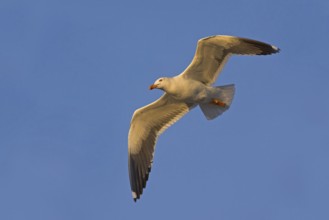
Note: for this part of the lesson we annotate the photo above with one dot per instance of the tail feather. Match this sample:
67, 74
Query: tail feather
224, 94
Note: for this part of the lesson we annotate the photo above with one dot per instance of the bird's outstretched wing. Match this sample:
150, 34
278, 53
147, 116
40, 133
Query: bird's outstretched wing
146, 125
213, 52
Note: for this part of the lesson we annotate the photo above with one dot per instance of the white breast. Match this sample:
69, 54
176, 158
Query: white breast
187, 90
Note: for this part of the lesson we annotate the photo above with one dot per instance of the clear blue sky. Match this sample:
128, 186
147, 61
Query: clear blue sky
73, 72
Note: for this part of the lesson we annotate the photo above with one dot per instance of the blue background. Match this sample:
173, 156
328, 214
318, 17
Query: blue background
73, 72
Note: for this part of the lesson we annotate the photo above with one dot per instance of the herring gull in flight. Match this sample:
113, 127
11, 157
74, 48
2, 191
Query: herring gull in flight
181, 94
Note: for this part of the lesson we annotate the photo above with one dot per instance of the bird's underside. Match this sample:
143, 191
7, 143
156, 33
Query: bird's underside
150, 121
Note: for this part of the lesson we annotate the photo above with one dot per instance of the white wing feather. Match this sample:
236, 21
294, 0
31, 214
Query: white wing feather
213, 52
146, 125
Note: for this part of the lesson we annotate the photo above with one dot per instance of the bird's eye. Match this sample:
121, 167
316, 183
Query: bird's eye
160, 80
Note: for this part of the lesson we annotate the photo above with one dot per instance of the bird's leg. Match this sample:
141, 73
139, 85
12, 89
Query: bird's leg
219, 103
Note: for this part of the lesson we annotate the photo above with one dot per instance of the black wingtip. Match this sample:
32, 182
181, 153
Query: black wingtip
263, 48
268, 49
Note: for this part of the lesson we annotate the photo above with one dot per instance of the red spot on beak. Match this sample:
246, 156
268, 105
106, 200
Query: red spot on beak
152, 86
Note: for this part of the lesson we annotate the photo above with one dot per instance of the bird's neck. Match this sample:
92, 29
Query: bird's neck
172, 86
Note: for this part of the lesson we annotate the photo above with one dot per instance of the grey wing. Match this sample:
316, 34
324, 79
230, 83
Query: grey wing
213, 52
146, 125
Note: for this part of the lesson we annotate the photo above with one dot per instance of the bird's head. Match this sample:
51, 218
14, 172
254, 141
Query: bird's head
159, 83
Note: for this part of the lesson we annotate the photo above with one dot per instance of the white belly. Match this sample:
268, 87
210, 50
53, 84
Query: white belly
190, 91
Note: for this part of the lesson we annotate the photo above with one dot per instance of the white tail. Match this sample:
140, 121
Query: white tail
224, 94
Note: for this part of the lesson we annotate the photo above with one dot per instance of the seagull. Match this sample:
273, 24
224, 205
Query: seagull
193, 87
